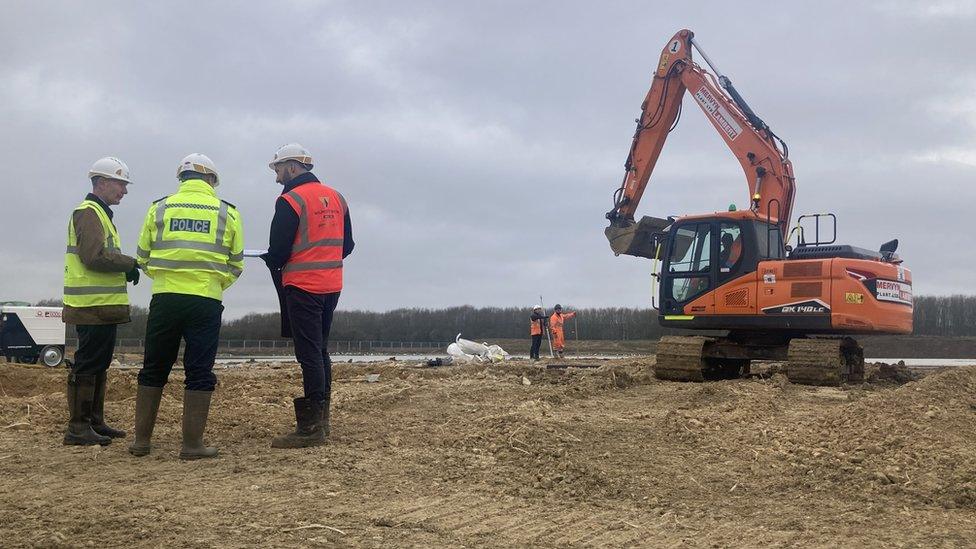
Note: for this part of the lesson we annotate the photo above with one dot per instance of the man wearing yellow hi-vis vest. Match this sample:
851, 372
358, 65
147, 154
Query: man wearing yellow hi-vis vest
192, 246
95, 300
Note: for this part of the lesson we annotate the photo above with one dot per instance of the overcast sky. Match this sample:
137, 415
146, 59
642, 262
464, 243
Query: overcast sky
478, 143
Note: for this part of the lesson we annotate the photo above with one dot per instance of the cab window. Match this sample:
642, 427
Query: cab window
691, 251
730, 247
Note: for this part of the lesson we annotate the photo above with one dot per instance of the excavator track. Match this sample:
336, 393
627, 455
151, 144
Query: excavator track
679, 358
825, 361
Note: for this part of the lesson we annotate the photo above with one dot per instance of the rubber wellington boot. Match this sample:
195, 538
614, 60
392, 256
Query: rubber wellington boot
325, 415
147, 406
309, 432
81, 396
196, 407
98, 409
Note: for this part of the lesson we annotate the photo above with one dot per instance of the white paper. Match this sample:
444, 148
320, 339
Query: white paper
254, 253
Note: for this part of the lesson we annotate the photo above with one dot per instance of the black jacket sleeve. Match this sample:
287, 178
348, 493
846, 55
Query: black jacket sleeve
347, 243
284, 225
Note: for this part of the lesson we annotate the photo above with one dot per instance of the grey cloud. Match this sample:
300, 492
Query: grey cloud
478, 144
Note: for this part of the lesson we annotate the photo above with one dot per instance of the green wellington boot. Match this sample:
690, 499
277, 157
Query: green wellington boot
196, 407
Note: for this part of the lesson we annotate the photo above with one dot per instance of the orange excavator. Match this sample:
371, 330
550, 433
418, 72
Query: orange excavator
732, 274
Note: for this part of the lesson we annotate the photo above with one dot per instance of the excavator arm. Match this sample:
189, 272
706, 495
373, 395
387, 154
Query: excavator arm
762, 155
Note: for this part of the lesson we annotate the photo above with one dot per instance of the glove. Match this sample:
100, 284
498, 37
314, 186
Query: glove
132, 276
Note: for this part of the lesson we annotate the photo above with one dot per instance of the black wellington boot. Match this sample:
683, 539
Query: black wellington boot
309, 432
98, 409
81, 396
196, 408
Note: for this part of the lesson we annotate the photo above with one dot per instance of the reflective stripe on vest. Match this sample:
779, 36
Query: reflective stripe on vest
315, 264
84, 287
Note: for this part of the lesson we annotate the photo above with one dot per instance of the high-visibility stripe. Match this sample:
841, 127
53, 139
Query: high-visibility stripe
142, 253
221, 222
74, 249
236, 271
235, 257
317, 243
679, 317
191, 245
93, 290
191, 265
160, 211
302, 218
312, 266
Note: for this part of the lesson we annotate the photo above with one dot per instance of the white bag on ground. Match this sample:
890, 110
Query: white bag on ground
465, 349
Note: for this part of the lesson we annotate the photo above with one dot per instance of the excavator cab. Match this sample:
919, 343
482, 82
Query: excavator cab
702, 253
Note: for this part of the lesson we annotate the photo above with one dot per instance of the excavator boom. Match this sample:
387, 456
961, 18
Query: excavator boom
762, 155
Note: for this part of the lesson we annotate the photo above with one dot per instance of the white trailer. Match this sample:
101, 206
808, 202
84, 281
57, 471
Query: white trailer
29, 334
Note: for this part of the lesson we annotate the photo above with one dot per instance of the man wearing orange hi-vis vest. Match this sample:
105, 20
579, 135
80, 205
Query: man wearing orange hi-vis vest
556, 328
311, 234
537, 326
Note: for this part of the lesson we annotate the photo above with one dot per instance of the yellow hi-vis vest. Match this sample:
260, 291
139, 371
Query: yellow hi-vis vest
192, 242
84, 287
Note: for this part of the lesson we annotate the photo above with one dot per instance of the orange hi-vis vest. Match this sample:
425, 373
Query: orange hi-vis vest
315, 264
535, 327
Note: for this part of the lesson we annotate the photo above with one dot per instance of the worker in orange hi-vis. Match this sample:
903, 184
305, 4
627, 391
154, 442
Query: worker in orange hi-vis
556, 328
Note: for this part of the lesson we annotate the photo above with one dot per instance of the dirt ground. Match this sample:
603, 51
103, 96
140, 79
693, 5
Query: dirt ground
505, 455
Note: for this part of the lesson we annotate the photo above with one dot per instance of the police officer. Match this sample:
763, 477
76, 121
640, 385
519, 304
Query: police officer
192, 246
95, 300
311, 233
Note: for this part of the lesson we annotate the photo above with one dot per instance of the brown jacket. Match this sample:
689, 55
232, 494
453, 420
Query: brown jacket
92, 252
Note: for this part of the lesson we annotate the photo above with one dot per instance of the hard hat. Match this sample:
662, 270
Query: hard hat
110, 167
558, 307
199, 163
537, 308
291, 151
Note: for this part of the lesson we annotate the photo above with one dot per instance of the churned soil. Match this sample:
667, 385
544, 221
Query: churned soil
505, 455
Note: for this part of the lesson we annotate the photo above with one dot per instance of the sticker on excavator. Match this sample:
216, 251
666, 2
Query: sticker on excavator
894, 292
811, 307
853, 297
769, 278
662, 67
723, 119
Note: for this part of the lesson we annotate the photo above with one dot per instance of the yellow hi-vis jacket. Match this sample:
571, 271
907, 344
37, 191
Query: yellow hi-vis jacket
192, 242
84, 287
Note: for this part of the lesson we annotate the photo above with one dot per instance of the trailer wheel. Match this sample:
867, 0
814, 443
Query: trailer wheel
52, 356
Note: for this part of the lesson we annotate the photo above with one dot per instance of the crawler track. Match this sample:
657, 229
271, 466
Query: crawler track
825, 361
679, 358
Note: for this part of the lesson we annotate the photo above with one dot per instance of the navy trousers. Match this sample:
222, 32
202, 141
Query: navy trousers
191, 318
310, 316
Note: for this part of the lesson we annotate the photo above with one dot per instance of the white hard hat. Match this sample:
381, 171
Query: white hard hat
291, 151
537, 307
110, 167
199, 163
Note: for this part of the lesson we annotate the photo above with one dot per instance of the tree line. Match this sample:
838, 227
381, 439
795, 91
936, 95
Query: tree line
934, 315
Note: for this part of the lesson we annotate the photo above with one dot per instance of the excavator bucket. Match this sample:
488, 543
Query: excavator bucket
635, 238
